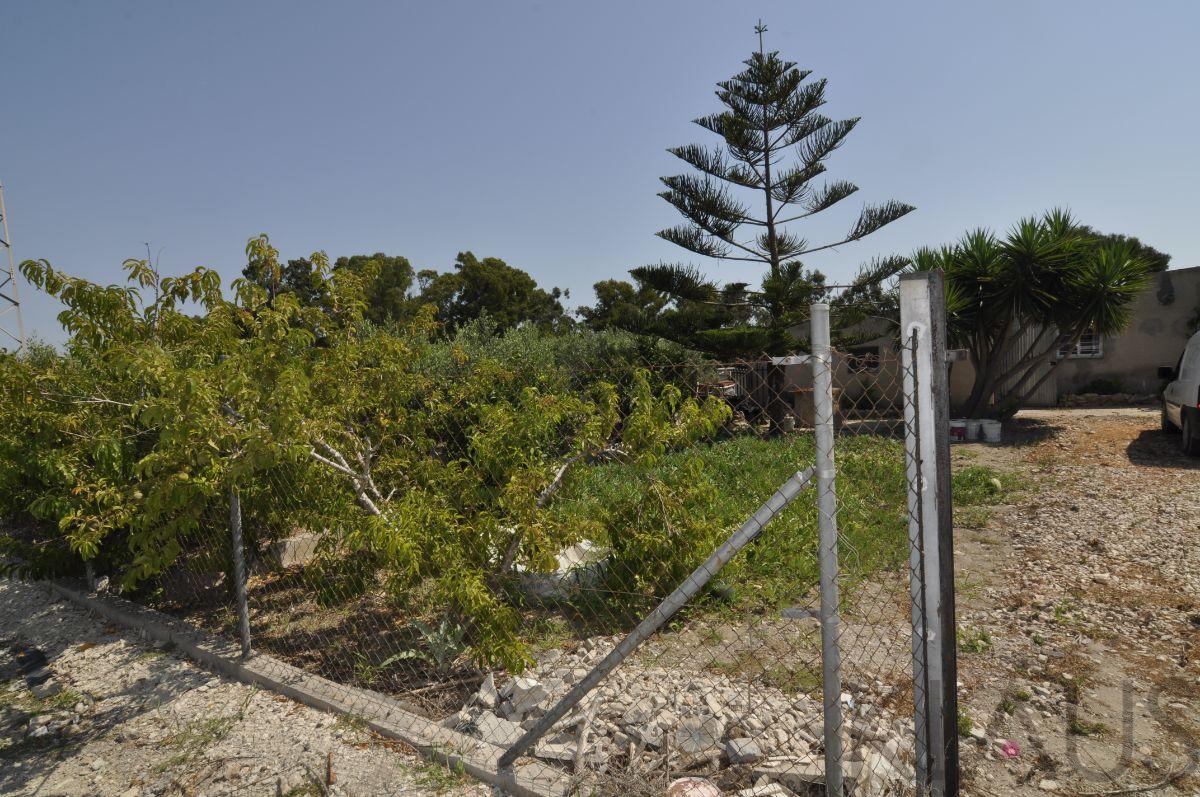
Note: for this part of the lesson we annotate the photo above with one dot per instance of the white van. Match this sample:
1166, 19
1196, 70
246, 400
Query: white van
1181, 398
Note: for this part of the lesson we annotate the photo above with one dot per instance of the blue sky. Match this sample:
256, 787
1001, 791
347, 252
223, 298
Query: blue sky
536, 131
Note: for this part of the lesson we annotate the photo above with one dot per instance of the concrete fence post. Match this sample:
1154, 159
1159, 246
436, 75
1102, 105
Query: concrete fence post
923, 325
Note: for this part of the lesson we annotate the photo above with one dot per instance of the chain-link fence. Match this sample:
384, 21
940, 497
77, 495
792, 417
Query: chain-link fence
631, 568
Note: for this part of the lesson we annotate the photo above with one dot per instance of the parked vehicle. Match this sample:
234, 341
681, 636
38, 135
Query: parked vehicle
1181, 397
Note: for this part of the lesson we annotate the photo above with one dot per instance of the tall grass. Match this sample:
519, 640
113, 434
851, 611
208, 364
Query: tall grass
779, 568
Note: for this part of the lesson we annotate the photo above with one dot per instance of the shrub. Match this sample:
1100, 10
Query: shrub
1103, 387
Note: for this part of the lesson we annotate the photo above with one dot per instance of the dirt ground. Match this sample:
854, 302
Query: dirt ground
119, 717
1079, 610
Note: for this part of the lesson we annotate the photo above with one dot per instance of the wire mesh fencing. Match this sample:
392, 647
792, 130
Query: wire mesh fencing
484, 555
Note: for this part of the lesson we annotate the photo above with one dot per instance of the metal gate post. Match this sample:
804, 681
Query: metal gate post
923, 318
823, 433
239, 569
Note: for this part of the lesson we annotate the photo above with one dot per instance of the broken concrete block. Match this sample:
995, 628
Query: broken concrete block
765, 790
697, 734
566, 750
742, 751
487, 696
650, 734
497, 731
639, 713
795, 775
524, 694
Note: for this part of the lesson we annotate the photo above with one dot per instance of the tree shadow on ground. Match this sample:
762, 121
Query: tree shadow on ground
1156, 449
1020, 432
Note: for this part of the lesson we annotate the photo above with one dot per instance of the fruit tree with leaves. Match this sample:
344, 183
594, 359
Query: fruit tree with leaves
426, 462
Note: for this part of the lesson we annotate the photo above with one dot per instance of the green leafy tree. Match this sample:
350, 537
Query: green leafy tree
1046, 277
299, 277
1154, 259
426, 463
621, 305
491, 287
740, 204
387, 282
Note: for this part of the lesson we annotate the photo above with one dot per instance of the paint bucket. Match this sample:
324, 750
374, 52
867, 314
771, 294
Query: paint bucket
973, 429
958, 430
991, 431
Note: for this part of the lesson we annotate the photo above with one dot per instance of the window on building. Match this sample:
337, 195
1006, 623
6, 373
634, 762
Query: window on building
1090, 344
863, 359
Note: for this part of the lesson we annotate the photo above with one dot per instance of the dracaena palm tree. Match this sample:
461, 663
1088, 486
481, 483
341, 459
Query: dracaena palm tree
1015, 302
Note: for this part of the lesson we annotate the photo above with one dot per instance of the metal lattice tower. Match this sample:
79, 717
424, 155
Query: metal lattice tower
11, 327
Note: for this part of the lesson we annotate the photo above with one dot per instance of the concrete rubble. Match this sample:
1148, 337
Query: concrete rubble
638, 716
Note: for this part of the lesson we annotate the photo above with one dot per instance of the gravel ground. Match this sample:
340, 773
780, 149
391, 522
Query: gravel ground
118, 716
1079, 610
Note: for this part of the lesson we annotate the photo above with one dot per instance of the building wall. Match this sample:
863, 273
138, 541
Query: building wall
1155, 337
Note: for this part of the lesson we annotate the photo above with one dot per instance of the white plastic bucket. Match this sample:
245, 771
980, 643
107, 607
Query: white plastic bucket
991, 431
958, 430
973, 429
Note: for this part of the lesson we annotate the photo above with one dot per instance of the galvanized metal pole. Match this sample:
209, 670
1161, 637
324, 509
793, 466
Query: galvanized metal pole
665, 610
831, 658
923, 316
239, 569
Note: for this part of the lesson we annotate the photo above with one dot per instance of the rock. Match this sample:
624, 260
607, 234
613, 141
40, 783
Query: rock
487, 696
639, 713
798, 776
47, 688
1048, 785
693, 787
497, 731
742, 751
566, 750
697, 734
524, 694
299, 549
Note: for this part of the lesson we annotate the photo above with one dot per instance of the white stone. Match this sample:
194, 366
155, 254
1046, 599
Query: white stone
487, 696
742, 751
524, 694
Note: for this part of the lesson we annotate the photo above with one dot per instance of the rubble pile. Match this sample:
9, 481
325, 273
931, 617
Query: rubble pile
655, 719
